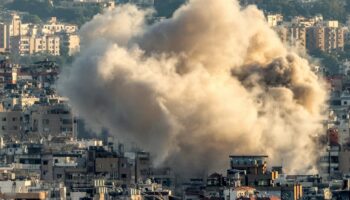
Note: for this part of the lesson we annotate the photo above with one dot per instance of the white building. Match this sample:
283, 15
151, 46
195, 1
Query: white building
53, 27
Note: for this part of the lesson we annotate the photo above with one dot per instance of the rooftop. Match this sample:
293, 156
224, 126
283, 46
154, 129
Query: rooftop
248, 156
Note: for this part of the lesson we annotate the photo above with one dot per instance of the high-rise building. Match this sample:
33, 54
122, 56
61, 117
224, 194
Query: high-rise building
15, 25
325, 38
4, 37
297, 36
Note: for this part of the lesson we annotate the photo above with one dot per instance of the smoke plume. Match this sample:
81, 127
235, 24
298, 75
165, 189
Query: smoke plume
211, 81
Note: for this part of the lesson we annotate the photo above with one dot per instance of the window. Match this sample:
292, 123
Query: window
59, 175
334, 159
46, 121
14, 119
66, 121
45, 162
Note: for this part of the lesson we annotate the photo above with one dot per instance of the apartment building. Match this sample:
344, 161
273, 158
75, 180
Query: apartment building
27, 39
274, 19
325, 38
52, 120
27, 45
10, 123
4, 37
71, 43
15, 25
297, 36
53, 27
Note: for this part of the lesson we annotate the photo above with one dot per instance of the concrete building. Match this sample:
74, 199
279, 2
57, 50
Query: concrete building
4, 38
274, 19
344, 161
325, 39
53, 26
297, 36
142, 166
253, 168
10, 123
307, 22
331, 23
54, 166
52, 121
28, 45
15, 25
27, 39
329, 162
100, 161
239, 192
252, 164
71, 43
14, 186
25, 196
294, 35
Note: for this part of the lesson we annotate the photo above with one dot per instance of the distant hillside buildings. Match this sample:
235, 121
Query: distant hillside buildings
313, 34
52, 37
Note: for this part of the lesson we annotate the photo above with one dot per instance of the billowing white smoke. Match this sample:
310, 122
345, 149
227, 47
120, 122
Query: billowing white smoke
211, 81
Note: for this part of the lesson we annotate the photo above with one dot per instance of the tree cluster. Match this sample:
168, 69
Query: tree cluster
43, 10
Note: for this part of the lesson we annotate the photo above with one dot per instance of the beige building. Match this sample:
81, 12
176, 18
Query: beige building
28, 45
71, 42
282, 33
307, 22
344, 161
52, 120
4, 37
297, 36
332, 23
293, 35
274, 20
29, 29
27, 39
325, 38
43, 121
15, 25
10, 123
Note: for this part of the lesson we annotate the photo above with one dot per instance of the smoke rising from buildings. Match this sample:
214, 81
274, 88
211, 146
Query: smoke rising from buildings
211, 81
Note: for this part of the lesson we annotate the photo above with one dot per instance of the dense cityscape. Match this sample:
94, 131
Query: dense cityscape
48, 149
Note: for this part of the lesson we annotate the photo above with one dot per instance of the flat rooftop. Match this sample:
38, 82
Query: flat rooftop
249, 156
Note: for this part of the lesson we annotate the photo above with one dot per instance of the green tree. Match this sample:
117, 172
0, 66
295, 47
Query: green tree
331, 61
331, 9
35, 19
42, 9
